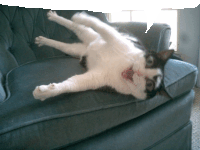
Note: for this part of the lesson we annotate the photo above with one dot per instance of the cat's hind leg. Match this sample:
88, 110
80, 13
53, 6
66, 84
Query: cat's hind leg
74, 49
107, 32
85, 34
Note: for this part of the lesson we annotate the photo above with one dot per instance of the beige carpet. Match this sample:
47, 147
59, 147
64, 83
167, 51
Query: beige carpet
196, 121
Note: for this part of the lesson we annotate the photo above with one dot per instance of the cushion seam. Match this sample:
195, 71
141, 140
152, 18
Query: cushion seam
181, 78
176, 82
169, 135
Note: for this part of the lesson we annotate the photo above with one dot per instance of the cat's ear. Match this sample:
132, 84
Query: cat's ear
163, 92
165, 55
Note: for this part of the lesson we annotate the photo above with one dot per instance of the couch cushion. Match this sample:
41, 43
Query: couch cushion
156, 128
180, 77
65, 119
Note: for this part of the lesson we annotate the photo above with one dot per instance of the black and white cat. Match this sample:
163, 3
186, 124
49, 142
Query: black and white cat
111, 60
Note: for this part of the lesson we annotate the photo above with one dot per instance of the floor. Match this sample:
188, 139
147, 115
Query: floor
195, 117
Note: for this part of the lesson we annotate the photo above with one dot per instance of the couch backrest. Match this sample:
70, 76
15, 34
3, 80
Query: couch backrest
18, 29
156, 39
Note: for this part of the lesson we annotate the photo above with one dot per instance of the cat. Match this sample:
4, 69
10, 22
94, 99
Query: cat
111, 60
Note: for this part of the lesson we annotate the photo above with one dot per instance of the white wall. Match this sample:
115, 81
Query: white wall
189, 33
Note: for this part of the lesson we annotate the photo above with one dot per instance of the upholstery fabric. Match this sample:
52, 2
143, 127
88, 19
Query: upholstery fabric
20, 26
160, 129
179, 75
2, 92
178, 140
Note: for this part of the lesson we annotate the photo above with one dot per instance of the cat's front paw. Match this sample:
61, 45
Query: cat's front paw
45, 91
40, 40
52, 15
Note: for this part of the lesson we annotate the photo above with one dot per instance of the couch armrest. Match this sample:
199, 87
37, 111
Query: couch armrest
2, 92
180, 77
156, 39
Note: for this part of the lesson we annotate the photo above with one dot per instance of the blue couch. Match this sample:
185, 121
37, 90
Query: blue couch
89, 120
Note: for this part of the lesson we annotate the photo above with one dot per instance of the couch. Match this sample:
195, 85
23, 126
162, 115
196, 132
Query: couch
89, 120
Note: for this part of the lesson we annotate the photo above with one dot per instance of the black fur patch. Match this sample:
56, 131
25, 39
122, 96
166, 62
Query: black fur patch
157, 63
150, 94
107, 89
83, 62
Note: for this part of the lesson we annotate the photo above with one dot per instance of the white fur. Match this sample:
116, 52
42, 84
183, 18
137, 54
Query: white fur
159, 79
108, 55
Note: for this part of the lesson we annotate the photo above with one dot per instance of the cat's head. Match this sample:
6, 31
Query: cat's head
146, 75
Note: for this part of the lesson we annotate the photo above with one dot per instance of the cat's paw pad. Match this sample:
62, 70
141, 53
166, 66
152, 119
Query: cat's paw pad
52, 15
44, 91
40, 40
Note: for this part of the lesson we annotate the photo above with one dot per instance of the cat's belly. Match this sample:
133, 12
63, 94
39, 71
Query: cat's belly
96, 53
93, 60
111, 66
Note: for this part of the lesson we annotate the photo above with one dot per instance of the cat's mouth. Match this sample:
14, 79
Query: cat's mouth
128, 74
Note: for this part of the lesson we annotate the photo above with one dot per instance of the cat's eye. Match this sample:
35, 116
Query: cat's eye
149, 61
149, 85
